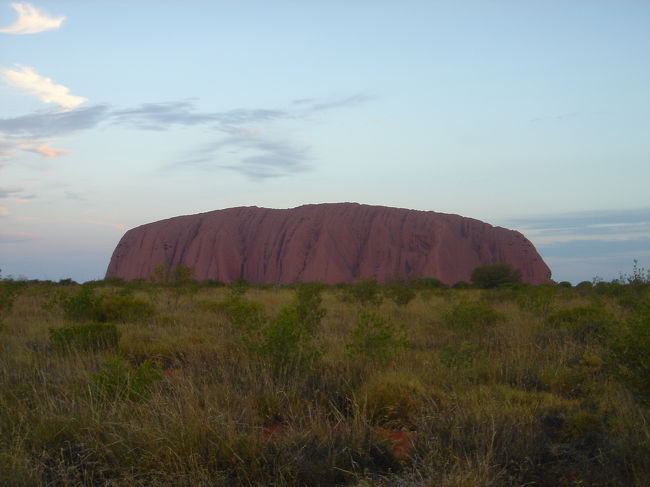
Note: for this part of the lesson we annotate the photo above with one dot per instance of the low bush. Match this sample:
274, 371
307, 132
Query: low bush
243, 314
308, 305
287, 342
495, 275
374, 338
583, 322
422, 283
125, 308
364, 293
89, 336
84, 305
466, 317
459, 356
119, 381
400, 292
461, 285
537, 299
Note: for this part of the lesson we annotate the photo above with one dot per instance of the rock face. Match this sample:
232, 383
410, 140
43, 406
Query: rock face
331, 243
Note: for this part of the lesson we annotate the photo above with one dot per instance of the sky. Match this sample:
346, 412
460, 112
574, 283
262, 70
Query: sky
533, 115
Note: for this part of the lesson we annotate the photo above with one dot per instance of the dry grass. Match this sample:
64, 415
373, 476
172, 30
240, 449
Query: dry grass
507, 402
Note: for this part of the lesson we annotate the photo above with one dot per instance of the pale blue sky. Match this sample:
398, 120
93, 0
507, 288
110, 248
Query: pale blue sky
527, 114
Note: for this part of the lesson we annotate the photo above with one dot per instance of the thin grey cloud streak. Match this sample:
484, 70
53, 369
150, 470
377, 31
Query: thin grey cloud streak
340, 103
610, 224
10, 192
253, 157
156, 116
14, 192
160, 116
53, 123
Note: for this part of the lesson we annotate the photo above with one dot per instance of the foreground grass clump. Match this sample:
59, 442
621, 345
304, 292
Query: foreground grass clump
175, 382
118, 381
90, 336
583, 322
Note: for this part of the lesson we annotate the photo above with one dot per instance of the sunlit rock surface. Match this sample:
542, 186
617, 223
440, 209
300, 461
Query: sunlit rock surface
331, 243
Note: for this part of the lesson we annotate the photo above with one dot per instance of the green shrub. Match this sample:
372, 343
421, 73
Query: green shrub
468, 317
401, 292
84, 305
494, 275
583, 322
114, 281
308, 305
630, 354
239, 286
422, 283
118, 381
459, 356
365, 293
374, 338
243, 314
536, 299
125, 308
584, 287
90, 336
287, 342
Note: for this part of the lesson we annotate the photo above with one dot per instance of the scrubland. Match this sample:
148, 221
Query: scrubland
188, 384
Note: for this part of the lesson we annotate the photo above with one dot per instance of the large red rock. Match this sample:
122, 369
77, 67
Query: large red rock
331, 243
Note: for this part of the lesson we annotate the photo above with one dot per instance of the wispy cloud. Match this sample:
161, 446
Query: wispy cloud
254, 157
27, 79
16, 193
12, 237
10, 191
116, 226
31, 20
241, 147
75, 196
4, 211
161, 116
318, 106
156, 116
610, 225
49, 124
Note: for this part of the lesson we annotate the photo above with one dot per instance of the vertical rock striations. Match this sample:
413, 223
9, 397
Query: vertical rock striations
340, 242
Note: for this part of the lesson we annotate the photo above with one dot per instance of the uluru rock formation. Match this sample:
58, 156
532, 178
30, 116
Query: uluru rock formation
330, 243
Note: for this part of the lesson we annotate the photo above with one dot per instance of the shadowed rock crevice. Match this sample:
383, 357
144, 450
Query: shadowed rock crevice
333, 242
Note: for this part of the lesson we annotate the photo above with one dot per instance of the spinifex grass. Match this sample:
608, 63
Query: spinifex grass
283, 387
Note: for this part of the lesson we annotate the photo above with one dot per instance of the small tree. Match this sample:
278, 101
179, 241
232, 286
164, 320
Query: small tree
494, 275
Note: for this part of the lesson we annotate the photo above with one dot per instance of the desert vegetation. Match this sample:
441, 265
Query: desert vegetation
174, 382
